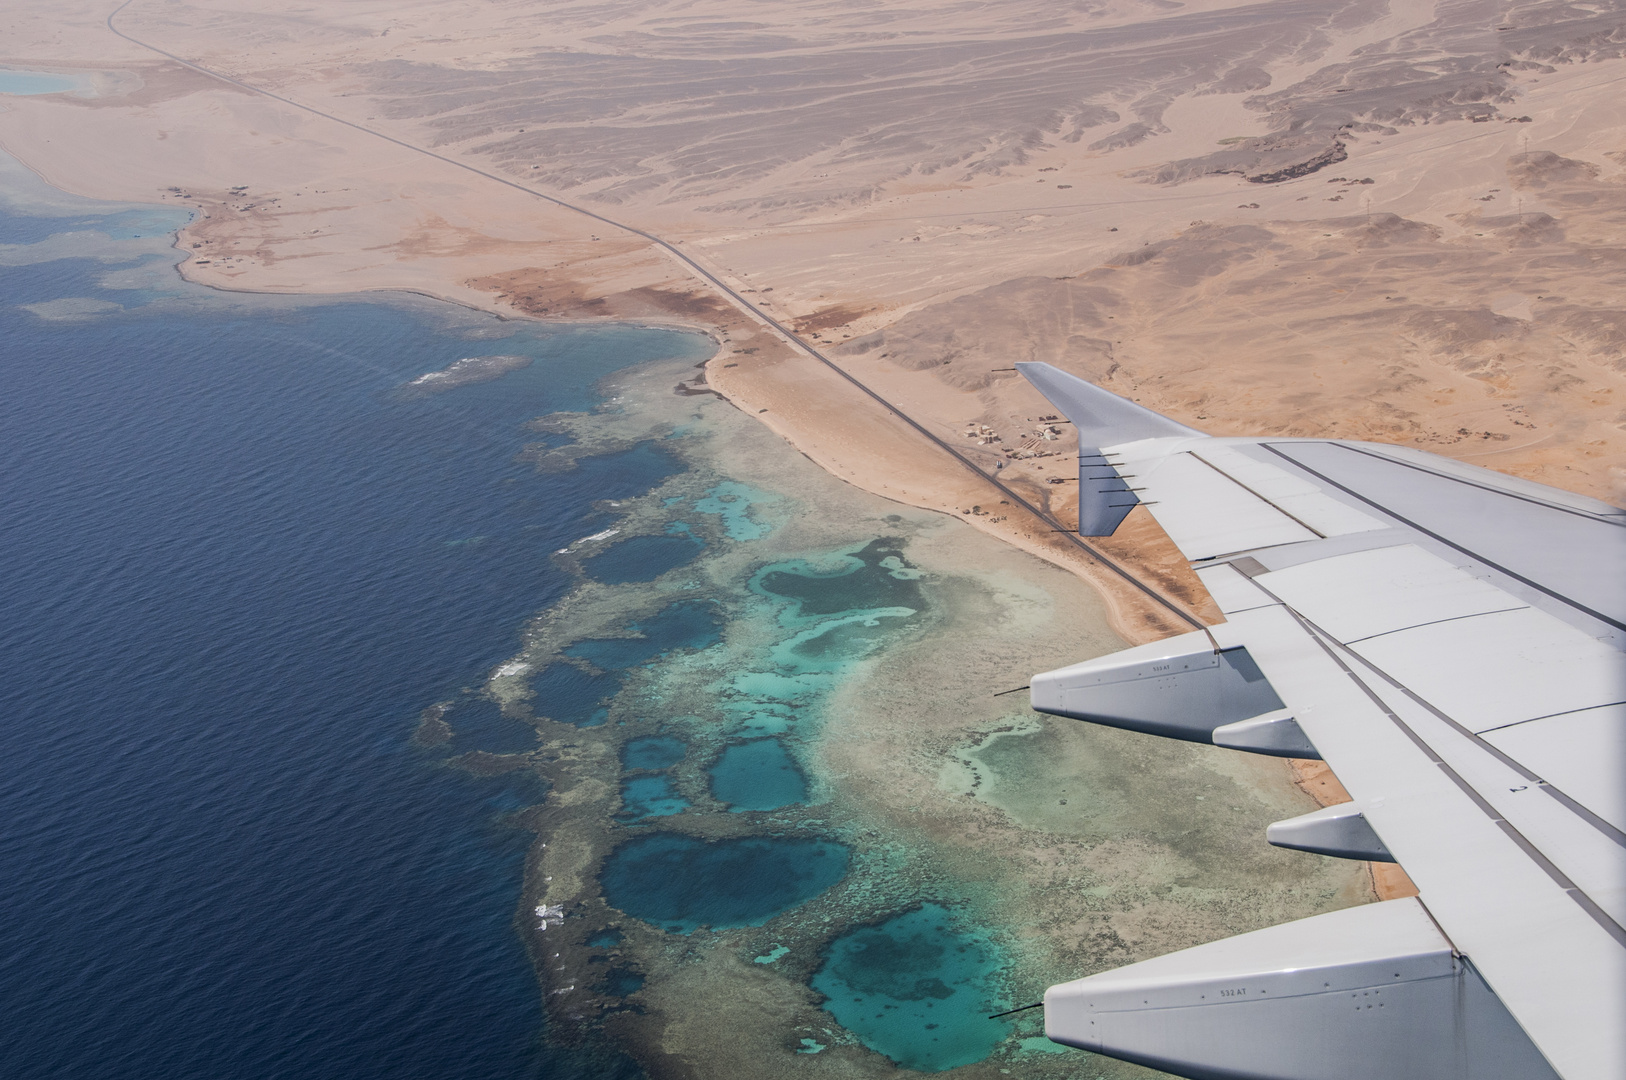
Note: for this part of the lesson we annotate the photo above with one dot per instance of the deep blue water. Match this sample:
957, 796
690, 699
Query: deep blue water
687, 624
235, 567
480, 725
683, 883
571, 696
621, 981
642, 558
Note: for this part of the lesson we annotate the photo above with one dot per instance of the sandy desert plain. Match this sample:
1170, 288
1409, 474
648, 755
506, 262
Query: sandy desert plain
1402, 221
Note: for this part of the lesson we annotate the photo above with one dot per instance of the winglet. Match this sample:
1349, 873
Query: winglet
1103, 419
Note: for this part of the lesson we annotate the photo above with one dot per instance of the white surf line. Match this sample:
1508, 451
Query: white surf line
705, 275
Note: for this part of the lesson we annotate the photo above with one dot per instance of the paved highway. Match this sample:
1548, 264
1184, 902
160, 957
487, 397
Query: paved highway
711, 279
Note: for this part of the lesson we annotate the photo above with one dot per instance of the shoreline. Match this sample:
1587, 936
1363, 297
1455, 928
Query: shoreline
944, 485
1133, 617
926, 776
1445, 320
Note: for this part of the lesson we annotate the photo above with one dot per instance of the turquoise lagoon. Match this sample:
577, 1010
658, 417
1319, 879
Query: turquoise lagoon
649, 797
758, 774
915, 987
731, 641
27, 83
653, 752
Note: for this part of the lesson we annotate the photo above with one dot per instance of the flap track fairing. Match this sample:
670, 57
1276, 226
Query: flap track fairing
1369, 991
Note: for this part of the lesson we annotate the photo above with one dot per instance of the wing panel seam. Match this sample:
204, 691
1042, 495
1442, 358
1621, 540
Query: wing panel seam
1549, 716
1435, 622
1285, 513
1558, 877
1599, 518
1560, 597
1552, 791
1563, 799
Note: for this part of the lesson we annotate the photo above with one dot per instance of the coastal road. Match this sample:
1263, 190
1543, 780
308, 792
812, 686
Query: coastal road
705, 275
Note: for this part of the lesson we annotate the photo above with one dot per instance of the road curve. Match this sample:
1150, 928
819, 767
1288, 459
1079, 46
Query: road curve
705, 275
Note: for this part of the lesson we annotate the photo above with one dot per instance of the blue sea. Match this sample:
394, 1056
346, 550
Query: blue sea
236, 564
294, 642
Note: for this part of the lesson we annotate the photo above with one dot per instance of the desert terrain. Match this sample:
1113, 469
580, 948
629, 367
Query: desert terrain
1399, 221
1403, 222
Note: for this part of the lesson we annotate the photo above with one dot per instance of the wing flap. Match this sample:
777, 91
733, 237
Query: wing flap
1368, 593
1488, 671
1573, 555
1231, 589
1451, 642
1540, 941
1291, 494
1552, 748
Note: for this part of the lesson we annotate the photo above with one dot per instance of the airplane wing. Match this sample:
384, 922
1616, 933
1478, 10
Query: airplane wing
1450, 641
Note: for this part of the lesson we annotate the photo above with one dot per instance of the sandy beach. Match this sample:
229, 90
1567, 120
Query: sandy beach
1403, 222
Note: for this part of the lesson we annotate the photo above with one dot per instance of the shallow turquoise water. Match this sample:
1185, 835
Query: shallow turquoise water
833, 610
652, 752
649, 797
757, 775
732, 502
917, 988
23, 83
682, 883
875, 576
849, 637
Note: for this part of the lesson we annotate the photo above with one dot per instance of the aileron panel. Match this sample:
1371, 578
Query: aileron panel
1583, 754
1366, 593
1487, 671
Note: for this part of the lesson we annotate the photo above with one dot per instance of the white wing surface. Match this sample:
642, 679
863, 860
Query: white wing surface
1450, 640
